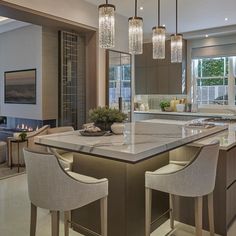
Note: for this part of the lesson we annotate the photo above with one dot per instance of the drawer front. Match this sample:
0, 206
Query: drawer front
231, 166
231, 203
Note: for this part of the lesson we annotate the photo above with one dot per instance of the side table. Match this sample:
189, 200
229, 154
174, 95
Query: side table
18, 141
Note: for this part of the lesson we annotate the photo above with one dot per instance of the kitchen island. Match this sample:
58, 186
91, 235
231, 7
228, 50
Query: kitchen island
123, 159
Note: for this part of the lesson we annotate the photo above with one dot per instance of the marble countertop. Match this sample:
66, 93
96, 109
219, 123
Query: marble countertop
227, 138
200, 114
140, 141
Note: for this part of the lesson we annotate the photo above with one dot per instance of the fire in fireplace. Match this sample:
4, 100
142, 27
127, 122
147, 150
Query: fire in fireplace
23, 127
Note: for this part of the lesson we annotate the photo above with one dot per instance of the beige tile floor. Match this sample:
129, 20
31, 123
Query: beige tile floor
14, 214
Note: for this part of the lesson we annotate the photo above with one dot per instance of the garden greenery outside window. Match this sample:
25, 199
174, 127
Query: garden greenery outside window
214, 81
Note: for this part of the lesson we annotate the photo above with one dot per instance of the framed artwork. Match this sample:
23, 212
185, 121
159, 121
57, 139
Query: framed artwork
20, 86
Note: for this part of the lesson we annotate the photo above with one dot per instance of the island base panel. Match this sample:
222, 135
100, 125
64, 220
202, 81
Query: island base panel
126, 200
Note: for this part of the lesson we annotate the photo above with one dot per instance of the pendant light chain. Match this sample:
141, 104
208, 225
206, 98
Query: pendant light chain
176, 15
159, 13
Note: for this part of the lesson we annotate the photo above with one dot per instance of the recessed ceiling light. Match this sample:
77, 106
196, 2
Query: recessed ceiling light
206, 35
141, 8
226, 19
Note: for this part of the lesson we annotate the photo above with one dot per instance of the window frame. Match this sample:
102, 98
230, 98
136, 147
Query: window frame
195, 77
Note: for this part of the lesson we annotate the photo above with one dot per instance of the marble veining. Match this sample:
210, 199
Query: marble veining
139, 141
227, 138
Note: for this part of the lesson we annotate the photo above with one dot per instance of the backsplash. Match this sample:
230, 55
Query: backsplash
153, 101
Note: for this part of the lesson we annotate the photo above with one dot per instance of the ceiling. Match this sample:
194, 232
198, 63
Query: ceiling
7, 24
194, 15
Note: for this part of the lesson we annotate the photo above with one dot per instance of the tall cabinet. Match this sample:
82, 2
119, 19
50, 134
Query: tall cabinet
159, 76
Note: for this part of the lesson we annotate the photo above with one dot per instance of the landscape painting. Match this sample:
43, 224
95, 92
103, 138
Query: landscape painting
20, 87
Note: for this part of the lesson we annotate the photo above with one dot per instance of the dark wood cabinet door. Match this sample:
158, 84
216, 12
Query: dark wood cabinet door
152, 81
140, 80
163, 81
161, 76
141, 60
175, 78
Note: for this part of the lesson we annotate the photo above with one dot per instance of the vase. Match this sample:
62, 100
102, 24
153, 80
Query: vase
117, 128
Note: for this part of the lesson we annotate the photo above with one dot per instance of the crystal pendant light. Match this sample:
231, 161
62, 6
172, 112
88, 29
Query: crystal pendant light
136, 33
106, 25
158, 38
176, 42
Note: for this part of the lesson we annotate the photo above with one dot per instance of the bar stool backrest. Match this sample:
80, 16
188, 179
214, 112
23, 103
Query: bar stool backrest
52, 188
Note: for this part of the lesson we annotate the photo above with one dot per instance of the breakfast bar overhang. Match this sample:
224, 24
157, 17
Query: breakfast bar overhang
123, 159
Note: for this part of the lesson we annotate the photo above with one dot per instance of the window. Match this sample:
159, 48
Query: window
214, 80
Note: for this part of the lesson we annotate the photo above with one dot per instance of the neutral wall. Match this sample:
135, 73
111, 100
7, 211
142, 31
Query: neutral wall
86, 14
22, 49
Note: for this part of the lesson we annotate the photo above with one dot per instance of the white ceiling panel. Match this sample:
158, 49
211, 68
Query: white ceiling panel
193, 14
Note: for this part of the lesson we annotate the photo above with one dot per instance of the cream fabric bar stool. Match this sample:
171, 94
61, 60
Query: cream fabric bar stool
51, 187
196, 179
65, 157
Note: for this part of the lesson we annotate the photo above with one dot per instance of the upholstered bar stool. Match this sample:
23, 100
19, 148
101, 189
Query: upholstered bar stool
196, 179
51, 187
65, 157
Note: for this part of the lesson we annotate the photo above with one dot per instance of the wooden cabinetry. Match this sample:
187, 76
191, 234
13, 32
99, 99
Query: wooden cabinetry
159, 76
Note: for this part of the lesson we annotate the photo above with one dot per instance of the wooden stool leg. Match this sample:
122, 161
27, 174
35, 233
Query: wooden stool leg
66, 222
171, 211
103, 206
55, 223
148, 211
211, 213
198, 216
33, 220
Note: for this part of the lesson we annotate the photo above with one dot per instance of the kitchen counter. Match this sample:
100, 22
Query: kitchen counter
199, 114
123, 160
141, 140
227, 138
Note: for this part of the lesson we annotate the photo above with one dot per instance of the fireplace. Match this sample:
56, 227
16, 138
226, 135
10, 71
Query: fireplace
21, 124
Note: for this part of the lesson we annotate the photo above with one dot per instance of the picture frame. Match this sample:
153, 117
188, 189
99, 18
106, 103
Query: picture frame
20, 86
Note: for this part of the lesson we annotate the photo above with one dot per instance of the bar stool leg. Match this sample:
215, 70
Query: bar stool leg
198, 216
210, 200
148, 211
55, 223
103, 206
171, 211
66, 222
33, 220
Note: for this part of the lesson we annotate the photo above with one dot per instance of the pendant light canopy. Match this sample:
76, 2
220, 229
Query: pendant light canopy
158, 37
106, 25
176, 42
136, 33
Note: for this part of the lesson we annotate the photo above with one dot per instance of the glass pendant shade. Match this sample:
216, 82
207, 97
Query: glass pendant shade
158, 41
106, 26
176, 48
136, 35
